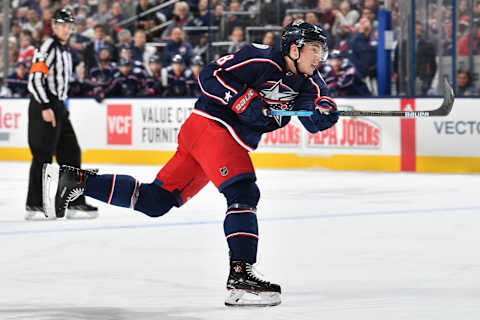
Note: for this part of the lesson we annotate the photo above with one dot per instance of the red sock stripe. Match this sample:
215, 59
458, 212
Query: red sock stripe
245, 234
111, 189
132, 199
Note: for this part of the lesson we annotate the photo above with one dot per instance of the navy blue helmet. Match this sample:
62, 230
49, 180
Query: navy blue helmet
178, 59
63, 16
299, 33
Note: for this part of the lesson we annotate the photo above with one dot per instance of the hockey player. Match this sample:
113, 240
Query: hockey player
49, 128
342, 77
227, 122
179, 79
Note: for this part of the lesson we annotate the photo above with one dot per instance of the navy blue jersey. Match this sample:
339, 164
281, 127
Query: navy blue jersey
179, 86
264, 69
346, 81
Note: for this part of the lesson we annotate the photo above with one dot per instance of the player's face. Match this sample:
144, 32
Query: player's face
62, 31
311, 56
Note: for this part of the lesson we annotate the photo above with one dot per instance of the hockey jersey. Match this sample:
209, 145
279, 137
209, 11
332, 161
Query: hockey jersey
264, 69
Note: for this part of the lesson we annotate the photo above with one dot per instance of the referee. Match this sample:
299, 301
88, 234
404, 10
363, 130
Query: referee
50, 131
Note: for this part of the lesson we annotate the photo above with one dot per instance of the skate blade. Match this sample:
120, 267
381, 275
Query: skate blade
36, 216
245, 298
50, 176
81, 215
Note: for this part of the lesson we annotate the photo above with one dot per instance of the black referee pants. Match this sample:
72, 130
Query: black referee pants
45, 141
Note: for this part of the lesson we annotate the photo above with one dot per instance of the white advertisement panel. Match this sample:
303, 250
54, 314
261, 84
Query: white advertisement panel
351, 135
141, 124
13, 123
457, 135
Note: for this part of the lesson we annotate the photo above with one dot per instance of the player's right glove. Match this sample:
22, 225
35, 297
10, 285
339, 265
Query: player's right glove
326, 115
249, 107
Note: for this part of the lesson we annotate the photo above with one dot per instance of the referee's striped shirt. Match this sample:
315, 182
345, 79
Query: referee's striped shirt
50, 73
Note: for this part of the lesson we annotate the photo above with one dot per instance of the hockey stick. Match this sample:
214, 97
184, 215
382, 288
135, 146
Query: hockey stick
443, 110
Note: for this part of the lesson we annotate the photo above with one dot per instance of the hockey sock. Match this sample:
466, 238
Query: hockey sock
125, 191
241, 230
118, 190
240, 224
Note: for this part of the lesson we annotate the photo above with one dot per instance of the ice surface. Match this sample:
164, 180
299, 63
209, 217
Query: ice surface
343, 245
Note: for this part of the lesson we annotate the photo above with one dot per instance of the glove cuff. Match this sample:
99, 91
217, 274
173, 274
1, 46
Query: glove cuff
241, 102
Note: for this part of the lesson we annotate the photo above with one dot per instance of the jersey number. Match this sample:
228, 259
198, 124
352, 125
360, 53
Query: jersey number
221, 61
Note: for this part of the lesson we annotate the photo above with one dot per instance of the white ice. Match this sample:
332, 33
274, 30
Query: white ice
343, 245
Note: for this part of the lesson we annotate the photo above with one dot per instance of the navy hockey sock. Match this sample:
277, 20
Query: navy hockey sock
125, 191
240, 224
113, 189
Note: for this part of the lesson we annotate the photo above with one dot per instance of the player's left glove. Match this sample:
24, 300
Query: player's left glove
326, 115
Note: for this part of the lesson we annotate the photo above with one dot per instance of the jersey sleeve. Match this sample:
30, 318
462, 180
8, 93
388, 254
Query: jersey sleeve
42, 60
315, 88
225, 77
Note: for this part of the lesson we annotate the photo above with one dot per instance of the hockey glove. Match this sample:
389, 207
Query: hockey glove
249, 107
326, 115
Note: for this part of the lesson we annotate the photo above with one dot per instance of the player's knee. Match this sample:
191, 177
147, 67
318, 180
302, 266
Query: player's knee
245, 192
153, 200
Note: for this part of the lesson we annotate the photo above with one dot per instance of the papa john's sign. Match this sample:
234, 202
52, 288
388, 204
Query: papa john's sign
348, 133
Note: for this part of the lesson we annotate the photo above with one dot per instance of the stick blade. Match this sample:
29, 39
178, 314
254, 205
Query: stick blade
448, 99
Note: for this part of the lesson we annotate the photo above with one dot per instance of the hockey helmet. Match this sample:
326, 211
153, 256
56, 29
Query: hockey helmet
178, 59
63, 16
197, 61
300, 32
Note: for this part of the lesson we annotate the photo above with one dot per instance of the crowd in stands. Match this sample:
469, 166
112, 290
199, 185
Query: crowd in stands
162, 52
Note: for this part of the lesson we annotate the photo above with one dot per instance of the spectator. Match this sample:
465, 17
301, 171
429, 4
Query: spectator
342, 38
269, 39
101, 76
115, 16
197, 66
342, 78
237, 40
179, 78
78, 41
233, 21
32, 20
26, 50
94, 47
125, 83
156, 77
463, 47
465, 86
47, 21
17, 82
124, 41
79, 87
147, 21
200, 20
361, 52
128, 7
139, 50
425, 64
326, 17
177, 45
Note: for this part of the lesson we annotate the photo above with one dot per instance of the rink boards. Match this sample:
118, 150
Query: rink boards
144, 131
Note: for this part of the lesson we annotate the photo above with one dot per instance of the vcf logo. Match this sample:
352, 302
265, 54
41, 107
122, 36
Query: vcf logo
119, 124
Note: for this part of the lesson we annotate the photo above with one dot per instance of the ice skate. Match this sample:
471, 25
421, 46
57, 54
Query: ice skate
245, 288
34, 213
62, 185
81, 211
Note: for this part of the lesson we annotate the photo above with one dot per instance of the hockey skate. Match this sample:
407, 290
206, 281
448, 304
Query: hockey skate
81, 211
246, 289
34, 213
62, 185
